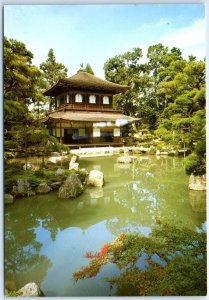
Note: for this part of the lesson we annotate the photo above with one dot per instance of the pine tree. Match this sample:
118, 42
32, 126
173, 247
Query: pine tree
53, 70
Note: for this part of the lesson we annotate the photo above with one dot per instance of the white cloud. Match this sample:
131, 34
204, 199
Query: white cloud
190, 39
162, 22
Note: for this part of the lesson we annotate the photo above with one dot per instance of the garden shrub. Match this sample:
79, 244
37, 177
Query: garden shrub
195, 164
200, 148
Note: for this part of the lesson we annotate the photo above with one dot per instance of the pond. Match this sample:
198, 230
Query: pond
46, 238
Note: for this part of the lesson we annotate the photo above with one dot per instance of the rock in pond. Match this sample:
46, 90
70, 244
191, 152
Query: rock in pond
73, 159
43, 188
30, 290
71, 188
164, 153
125, 160
74, 166
96, 178
8, 199
22, 188
197, 183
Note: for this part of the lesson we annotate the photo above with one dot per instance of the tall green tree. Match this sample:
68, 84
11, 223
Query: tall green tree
162, 65
21, 81
23, 84
127, 69
185, 95
143, 99
53, 70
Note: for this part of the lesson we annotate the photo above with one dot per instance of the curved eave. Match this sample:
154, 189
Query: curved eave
78, 116
53, 90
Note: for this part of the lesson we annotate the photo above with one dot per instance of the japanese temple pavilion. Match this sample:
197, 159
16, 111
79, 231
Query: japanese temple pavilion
81, 111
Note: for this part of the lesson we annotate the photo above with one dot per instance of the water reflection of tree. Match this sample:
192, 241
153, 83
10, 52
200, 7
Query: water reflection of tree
131, 198
134, 212
22, 250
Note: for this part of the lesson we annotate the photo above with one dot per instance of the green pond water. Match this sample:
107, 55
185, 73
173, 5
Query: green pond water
46, 238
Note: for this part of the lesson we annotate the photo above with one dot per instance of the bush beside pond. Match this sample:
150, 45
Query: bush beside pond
195, 164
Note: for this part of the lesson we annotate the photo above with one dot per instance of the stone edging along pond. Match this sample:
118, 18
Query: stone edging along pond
105, 151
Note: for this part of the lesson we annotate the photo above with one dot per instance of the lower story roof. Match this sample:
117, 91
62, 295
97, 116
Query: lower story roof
84, 116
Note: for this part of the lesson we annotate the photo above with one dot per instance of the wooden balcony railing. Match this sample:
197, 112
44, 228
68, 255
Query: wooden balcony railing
84, 107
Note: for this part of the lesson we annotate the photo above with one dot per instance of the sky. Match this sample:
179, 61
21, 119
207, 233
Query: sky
94, 33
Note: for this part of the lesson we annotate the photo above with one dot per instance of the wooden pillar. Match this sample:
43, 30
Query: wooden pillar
60, 132
68, 98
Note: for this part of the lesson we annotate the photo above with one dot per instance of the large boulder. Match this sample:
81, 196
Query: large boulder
22, 188
8, 199
43, 188
30, 290
96, 178
83, 174
197, 183
125, 160
71, 188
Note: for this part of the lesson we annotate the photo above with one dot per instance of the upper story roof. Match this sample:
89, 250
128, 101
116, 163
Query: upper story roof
82, 80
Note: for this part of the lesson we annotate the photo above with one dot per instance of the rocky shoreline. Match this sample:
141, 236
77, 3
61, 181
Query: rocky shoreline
69, 183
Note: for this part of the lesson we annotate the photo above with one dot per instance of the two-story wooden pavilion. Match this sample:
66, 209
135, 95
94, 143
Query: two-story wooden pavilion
81, 111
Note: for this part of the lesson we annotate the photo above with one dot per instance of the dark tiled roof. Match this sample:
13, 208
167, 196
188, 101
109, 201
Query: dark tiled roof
85, 81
